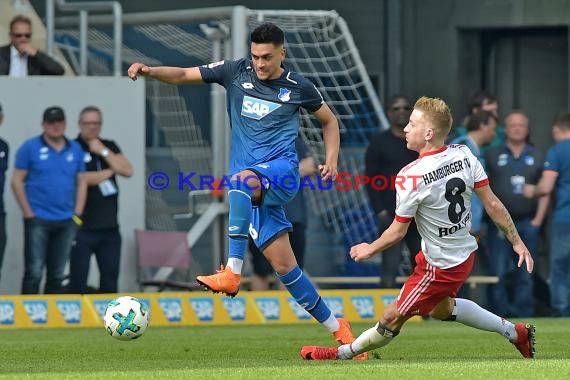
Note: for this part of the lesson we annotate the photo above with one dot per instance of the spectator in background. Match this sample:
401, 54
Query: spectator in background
20, 58
100, 232
481, 129
509, 167
385, 156
49, 185
296, 212
4, 153
556, 177
481, 101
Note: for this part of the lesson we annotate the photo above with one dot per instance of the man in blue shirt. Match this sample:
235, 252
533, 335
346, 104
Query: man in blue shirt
263, 100
556, 177
50, 187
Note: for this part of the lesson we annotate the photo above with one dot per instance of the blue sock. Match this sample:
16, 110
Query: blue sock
237, 248
305, 294
239, 218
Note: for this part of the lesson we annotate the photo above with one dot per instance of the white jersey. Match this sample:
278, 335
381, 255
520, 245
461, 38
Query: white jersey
437, 193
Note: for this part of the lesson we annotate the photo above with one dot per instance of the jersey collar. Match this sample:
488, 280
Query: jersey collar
44, 142
431, 152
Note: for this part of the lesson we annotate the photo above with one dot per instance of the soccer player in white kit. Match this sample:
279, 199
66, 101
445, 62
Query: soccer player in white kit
436, 190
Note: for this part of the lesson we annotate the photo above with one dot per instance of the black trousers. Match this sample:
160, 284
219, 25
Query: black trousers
106, 245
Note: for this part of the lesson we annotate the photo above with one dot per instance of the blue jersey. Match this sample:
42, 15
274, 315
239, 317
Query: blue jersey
51, 180
558, 160
264, 114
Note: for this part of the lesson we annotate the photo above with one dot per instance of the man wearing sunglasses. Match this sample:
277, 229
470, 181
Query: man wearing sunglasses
20, 58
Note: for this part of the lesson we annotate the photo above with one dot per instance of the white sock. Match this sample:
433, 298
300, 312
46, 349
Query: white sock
368, 340
235, 265
470, 314
331, 323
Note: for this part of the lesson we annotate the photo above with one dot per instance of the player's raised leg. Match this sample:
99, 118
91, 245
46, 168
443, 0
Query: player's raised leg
244, 188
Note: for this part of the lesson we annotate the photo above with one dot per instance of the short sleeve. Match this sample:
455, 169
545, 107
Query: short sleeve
23, 157
407, 201
220, 72
311, 98
79, 151
479, 176
551, 162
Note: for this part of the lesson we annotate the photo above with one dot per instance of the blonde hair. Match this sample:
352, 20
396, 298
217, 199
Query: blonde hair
437, 112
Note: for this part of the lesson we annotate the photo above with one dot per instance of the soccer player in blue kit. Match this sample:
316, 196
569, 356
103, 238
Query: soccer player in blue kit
264, 99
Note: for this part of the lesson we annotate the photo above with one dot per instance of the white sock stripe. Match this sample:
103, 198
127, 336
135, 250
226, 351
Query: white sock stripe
295, 280
350, 348
419, 289
240, 191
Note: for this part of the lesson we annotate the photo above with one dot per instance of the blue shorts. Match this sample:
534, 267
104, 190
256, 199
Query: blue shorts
280, 182
267, 224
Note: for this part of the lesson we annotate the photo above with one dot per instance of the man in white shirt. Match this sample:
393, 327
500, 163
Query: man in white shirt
436, 190
20, 58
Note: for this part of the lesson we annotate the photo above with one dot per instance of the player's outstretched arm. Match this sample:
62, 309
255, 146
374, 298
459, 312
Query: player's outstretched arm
331, 138
391, 236
498, 212
167, 74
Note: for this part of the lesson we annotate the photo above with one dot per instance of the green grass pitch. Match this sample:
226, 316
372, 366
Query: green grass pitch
425, 350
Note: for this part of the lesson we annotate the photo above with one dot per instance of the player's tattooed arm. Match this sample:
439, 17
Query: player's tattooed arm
498, 213
506, 224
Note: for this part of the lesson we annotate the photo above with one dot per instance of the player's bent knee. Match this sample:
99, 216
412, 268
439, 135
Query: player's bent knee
444, 310
247, 179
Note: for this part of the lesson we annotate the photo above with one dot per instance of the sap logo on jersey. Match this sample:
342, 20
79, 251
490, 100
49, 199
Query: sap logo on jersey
257, 108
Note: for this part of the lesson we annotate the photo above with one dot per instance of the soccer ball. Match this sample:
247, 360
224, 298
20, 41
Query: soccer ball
126, 318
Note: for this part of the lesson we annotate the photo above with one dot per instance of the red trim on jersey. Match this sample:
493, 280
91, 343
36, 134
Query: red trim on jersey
403, 219
410, 165
436, 151
429, 285
482, 183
